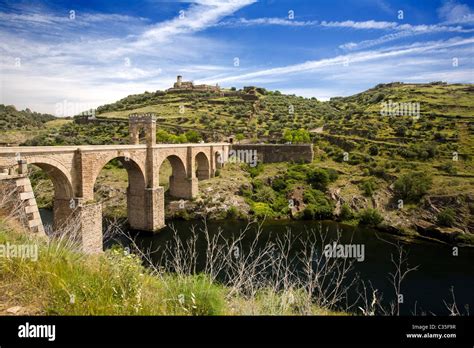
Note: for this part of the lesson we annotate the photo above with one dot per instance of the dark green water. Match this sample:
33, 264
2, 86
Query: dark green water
423, 290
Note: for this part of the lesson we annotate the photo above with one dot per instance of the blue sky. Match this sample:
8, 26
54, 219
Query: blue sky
87, 53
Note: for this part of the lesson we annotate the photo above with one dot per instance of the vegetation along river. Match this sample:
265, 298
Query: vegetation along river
424, 290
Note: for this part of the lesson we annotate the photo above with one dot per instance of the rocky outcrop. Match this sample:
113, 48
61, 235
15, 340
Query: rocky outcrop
446, 234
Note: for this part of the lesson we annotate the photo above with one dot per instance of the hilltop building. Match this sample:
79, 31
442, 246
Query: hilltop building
180, 86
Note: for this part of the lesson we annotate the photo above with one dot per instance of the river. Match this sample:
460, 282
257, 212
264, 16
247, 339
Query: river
423, 290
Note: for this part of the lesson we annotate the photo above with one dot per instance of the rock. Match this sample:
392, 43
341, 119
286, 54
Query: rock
14, 310
358, 203
298, 203
423, 226
446, 234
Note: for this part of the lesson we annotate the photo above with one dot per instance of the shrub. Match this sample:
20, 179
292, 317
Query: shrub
449, 168
264, 194
333, 175
296, 173
446, 217
254, 171
313, 211
318, 178
232, 213
262, 210
346, 212
412, 186
193, 137
256, 184
279, 184
373, 150
194, 295
281, 205
368, 187
370, 216
318, 206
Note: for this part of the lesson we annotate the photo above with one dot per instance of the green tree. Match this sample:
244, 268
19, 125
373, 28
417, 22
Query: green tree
412, 186
370, 216
287, 135
193, 136
346, 212
318, 178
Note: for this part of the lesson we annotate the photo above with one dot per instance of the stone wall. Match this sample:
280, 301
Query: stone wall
18, 199
273, 153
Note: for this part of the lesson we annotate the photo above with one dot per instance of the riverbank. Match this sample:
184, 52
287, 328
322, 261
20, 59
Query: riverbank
321, 190
60, 280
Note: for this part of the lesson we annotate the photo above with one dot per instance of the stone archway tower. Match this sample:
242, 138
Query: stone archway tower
137, 122
154, 194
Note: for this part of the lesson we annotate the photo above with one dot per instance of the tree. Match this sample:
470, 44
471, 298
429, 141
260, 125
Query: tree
370, 216
412, 186
346, 212
193, 136
373, 150
296, 136
287, 136
318, 178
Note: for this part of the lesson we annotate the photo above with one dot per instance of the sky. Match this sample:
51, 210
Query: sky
63, 57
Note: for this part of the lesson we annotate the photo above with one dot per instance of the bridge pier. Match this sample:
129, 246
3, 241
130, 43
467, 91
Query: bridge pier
146, 209
62, 212
136, 207
90, 230
155, 208
83, 222
186, 188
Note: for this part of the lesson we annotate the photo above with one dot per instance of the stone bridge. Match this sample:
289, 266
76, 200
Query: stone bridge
74, 171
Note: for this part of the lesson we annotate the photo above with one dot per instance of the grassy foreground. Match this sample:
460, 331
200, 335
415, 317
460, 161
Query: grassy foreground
63, 281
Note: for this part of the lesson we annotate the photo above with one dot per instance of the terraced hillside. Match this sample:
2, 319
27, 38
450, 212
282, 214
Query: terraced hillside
252, 112
422, 156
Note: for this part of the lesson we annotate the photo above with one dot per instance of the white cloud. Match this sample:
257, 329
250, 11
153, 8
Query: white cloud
196, 18
455, 12
266, 21
404, 31
349, 60
94, 69
361, 25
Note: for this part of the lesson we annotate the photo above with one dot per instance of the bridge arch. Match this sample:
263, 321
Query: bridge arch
218, 159
136, 197
62, 186
178, 178
202, 166
134, 166
59, 175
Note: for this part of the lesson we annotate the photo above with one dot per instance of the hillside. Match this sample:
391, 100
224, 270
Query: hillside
252, 112
378, 156
11, 118
17, 126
